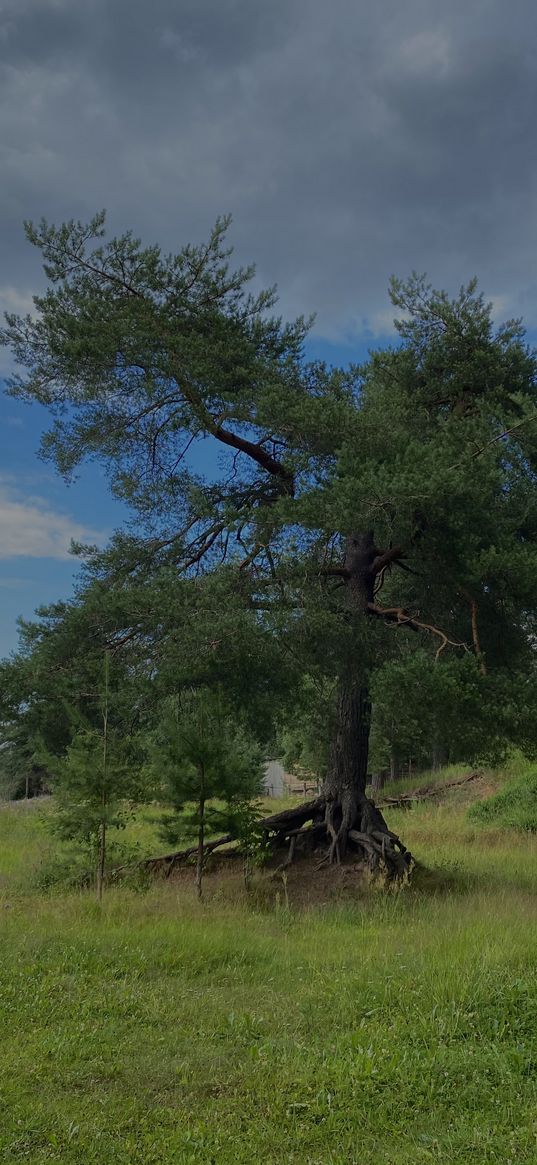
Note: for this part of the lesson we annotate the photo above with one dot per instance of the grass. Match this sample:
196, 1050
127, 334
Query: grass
31, 854
422, 780
396, 1029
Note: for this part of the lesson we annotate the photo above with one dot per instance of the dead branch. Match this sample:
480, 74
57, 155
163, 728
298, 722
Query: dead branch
475, 630
173, 859
401, 618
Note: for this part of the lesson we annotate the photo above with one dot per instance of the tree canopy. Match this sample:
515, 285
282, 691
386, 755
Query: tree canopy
295, 519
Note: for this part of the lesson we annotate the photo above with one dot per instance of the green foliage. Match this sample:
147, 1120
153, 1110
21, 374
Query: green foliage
122, 1010
304, 737
245, 818
206, 762
95, 780
513, 807
231, 578
423, 708
71, 865
92, 784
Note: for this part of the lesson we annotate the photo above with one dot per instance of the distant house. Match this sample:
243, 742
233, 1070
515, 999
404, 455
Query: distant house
274, 784
278, 783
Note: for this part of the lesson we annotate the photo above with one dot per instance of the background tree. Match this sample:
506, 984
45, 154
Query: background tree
209, 762
97, 777
412, 477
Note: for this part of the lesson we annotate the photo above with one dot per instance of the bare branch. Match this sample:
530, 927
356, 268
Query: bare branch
401, 618
203, 543
475, 630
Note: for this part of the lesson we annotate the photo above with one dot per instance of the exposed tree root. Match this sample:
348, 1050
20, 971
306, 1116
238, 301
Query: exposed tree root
317, 826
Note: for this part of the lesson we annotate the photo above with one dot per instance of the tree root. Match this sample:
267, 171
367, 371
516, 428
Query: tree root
309, 827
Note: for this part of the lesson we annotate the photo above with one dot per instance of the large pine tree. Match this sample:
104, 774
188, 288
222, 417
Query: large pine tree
349, 506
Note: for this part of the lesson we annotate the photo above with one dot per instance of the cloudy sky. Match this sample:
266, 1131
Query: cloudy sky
349, 140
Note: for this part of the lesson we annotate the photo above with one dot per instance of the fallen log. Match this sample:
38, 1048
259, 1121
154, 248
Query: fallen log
405, 800
293, 818
170, 860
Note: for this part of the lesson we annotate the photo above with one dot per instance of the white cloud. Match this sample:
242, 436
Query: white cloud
427, 52
20, 302
30, 528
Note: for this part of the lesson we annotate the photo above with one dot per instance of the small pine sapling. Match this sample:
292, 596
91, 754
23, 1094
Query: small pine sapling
95, 780
211, 767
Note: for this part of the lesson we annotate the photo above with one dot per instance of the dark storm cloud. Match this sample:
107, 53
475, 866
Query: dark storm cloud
349, 140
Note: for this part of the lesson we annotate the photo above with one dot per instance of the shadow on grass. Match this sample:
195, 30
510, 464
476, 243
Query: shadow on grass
445, 879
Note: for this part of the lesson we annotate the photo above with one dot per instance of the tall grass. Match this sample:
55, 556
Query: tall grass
422, 779
389, 1030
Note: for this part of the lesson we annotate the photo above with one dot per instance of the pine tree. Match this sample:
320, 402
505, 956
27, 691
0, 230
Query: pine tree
352, 506
95, 780
208, 760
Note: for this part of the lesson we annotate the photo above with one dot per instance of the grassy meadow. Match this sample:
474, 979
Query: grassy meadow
372, 1029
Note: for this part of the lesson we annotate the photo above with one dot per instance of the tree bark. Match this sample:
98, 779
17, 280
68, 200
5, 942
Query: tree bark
201, 848
378, 781
347, 807
101, 859
344, 787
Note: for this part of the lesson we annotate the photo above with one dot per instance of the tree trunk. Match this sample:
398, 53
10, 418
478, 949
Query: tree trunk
439, 755
394, 766
348, 810
342, 815
201, 853
344, 787
378, 781
101, 858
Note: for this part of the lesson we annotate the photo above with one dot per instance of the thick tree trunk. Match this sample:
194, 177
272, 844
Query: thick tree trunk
349, 814
344, 787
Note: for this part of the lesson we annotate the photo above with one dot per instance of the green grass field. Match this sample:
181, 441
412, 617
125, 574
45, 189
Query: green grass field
388, 1030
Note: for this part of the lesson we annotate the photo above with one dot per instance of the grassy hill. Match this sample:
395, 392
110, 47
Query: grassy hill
376, 1029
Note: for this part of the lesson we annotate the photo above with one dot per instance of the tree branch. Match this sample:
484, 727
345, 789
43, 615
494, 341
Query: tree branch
475, 630
494, 440
334, 572
386, 557
257, 454
401, 618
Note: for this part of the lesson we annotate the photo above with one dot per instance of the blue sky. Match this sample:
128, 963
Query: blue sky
40, 512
